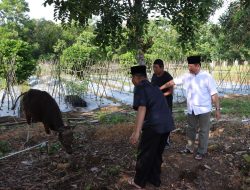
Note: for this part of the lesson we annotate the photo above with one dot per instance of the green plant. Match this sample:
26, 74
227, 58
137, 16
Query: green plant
245, 165
4, 147
24, 87
16, 56
242, 104
113, 170
78, 55
127, 59
76, 88
2, 83
54, 148
87, 187
247, 158
112, 118
186, 16
180, 117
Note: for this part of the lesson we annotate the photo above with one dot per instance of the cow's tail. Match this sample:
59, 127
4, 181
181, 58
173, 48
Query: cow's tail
14, 106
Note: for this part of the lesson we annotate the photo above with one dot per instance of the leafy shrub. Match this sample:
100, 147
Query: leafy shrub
76, 88
78, 55
19, 53
127, 59
81, 53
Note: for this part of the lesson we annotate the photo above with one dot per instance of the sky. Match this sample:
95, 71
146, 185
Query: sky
37, 10
215, 18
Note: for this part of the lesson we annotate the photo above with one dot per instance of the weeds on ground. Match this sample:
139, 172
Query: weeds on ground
54, 148
179, 117
239, 106
245, 165
4, 148
113, 117
113, 170
87, 187
236, 106
179, 112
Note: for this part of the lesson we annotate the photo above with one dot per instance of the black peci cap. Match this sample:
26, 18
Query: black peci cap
139, 69
194, 59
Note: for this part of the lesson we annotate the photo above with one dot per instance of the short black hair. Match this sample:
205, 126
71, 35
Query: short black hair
159, 62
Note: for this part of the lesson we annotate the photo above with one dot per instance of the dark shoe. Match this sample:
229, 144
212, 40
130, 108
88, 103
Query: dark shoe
186, 151
198, 156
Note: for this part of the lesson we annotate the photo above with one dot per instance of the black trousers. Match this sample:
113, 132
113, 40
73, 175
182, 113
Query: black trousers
149, 158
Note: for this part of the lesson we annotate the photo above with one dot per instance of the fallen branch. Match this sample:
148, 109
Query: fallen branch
14, 123
76, 118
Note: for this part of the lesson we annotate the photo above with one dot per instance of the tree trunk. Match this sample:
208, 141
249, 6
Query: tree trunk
140, 57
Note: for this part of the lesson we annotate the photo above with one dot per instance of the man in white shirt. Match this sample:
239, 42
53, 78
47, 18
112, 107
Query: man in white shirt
201, 91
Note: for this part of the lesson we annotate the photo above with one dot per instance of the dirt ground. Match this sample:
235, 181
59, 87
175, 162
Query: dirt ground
104, 159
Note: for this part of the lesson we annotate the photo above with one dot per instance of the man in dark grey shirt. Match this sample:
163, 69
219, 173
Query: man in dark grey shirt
155, 121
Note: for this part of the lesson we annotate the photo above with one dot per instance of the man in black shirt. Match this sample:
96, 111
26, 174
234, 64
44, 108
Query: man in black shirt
159, 78
155, 121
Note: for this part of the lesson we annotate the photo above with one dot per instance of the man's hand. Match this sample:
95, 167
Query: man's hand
217, 114
134, 138
167, 85
215, 99
138, 124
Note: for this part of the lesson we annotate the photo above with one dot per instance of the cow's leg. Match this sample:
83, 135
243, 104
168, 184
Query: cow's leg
28, 118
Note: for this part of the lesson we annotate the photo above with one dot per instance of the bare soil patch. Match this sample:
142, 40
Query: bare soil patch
104, 159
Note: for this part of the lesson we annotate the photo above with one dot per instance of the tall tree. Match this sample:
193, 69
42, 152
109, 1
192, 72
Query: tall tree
13, 13
184, 14
235, 27
16, 54
46, 34
165, 45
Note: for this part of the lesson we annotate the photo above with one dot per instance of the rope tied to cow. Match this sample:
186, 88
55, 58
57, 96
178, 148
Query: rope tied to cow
43, 144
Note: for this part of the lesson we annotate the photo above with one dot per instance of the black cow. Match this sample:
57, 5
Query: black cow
39, 106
